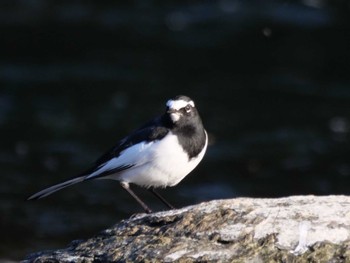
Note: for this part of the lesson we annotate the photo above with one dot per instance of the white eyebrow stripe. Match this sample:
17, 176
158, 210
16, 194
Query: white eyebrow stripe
178, 104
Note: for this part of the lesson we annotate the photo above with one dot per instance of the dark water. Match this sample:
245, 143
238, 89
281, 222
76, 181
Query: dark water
271, 82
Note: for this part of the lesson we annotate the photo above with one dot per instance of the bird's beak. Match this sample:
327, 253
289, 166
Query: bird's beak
171, 111
174, 114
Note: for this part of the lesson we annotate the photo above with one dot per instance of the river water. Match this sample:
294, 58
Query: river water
271, 82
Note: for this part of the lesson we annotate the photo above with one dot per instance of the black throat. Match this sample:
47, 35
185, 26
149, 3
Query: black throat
191, 137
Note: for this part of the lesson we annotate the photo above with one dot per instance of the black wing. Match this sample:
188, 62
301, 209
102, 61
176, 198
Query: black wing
153, 130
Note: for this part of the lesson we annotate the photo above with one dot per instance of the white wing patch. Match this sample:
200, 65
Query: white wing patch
131, 156
178, 104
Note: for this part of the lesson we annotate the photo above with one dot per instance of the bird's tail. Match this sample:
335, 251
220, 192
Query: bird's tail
57, 187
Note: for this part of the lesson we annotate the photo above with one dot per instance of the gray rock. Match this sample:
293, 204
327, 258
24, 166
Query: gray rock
292, 229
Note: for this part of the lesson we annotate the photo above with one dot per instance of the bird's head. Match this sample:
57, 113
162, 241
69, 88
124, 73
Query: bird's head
181, 109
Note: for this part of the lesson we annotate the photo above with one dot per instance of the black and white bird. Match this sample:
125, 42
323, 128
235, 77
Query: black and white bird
157, 155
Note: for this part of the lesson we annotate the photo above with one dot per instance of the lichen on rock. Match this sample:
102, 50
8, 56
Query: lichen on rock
291, 229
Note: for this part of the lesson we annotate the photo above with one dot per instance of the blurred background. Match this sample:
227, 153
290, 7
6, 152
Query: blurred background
270, 79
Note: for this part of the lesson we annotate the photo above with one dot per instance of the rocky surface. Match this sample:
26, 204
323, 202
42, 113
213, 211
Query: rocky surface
292, 229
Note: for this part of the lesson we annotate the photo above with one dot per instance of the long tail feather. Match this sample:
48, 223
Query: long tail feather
56, 188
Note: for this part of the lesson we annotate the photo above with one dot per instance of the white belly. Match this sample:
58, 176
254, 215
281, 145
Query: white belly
158, 164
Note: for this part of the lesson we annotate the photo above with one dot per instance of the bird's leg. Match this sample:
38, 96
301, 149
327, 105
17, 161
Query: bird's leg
127, 188
161, 198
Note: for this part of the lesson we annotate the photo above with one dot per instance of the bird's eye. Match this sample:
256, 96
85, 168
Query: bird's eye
188, 108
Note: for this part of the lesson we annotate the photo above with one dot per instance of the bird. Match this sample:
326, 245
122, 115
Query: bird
159, 154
